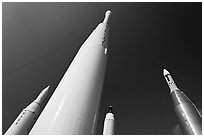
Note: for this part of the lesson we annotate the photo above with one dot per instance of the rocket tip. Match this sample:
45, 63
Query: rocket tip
42, 95
110, 110
107, 15
47, 87
108, 12
165, 72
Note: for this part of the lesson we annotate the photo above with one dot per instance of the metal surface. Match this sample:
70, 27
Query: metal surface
187, 114
27, 118
189, 118
73, 107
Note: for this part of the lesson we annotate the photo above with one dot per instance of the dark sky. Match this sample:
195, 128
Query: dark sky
39, 41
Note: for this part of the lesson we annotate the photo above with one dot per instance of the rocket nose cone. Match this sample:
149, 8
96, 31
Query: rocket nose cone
42, 95
46, 88
107, 15
165, 72
110, 110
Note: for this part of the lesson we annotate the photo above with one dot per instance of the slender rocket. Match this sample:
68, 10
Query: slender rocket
189, 118
27, 118
109, 123
73, 107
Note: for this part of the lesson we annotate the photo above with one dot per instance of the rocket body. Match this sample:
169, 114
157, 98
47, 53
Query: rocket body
73, 107
27, 118
189, 118
109, 124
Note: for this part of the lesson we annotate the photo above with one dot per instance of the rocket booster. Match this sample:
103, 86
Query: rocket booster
109, 123
26, 119
73, 107
189, 118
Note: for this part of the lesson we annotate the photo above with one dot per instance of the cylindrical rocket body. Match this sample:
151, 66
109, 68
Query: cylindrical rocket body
109, 124
25, 121
73, 106
188, 117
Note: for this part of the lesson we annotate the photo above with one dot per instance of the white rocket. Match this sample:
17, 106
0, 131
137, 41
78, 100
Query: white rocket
73, 107
26, 119
188, 116
109, 123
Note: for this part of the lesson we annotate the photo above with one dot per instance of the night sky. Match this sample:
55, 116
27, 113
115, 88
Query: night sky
39, 41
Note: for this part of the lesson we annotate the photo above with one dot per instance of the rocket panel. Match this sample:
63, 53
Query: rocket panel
187, 115
23, 123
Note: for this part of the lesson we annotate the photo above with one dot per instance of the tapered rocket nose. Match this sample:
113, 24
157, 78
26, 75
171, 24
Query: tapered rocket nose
42, 95
110, 110
46, 89
107, 15
165, 72
44, 92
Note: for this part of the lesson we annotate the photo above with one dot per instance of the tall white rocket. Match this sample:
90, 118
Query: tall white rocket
26, 119
73, 107
109, 123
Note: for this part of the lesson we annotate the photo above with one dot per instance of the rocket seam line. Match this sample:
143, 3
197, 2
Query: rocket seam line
185, 114
32, 112
37, 103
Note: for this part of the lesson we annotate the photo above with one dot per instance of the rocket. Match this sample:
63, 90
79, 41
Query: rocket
73, 107
109, 123
189, 118
27, 118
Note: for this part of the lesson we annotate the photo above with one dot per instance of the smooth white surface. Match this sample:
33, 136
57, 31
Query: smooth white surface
26, 119
73, 107
107, 16
110, 116
165, 72
109, 124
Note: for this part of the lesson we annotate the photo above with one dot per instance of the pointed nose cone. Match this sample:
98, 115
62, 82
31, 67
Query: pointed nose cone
44, 92
108, 12
46, 89
42, 95
107, 15
110, 110
165, 72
